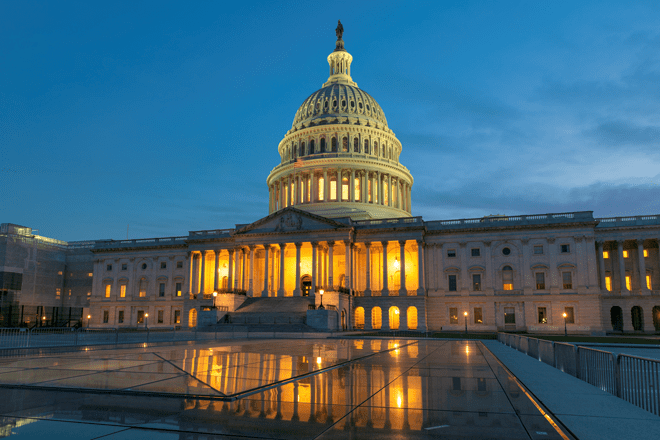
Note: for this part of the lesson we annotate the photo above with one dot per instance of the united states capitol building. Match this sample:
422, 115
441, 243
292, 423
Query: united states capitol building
340, 232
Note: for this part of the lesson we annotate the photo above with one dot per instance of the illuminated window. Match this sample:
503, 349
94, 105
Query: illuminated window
58, 292
478, 316
369, 190
628, 282
507, 278
567, 279
344, 188
646, 253
625, 254
376, 318
108, 289
120, 317
69, 292
344, 144
412, 318
452, 283
333, 189
309, 190
59, 273
122, 291
177, 317
648, 282
606, 254
140, 317
178, 289
143, 287
386, 193
476, 282
540, 281
570, 315
89, 274
543, 315
358, 189
321, 188
453, 315
608, 283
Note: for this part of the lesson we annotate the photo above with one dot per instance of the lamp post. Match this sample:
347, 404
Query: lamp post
564, 315
146, 321
43, 321
321, 293
89, 318
465, 314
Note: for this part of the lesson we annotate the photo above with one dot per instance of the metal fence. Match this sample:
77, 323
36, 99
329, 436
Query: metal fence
634, 379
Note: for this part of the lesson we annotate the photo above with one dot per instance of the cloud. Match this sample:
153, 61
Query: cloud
624, 133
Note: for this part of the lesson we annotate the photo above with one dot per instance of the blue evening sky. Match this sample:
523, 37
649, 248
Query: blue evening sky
167, 115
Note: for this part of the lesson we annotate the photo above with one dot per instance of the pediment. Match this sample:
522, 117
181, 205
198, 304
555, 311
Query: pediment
290, 220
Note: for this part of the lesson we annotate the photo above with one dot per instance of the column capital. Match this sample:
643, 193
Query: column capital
282, 245
330, 243
421, 243
640, 242
367, 244
579, 238
551, 240
252, 247
315, 243
384, 243
231, 251
402, 243
487, 243
524, 240
266, 246
298, 244
216, 252
600, 243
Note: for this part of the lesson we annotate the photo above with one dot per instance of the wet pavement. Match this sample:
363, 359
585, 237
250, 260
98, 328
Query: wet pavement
274, 389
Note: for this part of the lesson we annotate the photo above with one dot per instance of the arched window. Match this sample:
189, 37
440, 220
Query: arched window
356, 145
294, 152
389, 153
302, 149
507, 278
311, 147
394, 318
366, 146
358, 189
344, 144
143, 287
192, 318
637, 318
359, 318
322, 145
375, 148
344, 188
334, 144
616, 317
412, 318
376, 318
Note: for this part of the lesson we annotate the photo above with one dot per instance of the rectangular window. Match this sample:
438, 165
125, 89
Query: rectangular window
161, 290
538, 250
89, 274
106, 316
625, 254
178, 289
476, 252
452, 283
543, 315
321, 188
570, 315
606, 254
122, 291
58, 292
333, 190
140, 317
385, 194
160, 317
646, 253
476, 282
108, 289
608, 283
120, 317
177, 317
124, 266
565, 248
478, 316
648, 282
163, 265
179, 264
69, 292
453, 315
509, 315
451, 253
540, 280
357, 189
108, 267
59, 273
628, 282
143, 287
567, 279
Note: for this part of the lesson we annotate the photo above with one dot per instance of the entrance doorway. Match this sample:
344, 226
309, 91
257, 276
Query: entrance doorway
637, 318
616, 316
510, 318
306, 285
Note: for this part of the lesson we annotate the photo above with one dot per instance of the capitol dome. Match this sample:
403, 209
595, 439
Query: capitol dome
340, 159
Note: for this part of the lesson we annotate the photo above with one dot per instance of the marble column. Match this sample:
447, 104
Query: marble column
389, 190
421, 269
201, 284
402, 271
351, 187
385, 291
280, 291
380, 187
251, 277
367, 290
215, 272
600, 246
331, 265
237, 268
642, 267
622, 268
297, 291
338, 187
264, 292
312, 292
230, 269
347, 265
326, 186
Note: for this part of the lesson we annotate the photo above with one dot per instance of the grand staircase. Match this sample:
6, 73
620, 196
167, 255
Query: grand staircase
268, 314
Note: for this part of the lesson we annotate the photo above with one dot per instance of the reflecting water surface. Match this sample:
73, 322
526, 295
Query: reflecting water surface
288, 389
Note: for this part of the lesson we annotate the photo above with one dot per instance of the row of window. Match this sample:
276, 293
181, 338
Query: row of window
608, 282
606, 254
509, 315
124, 266
507, 280
538, 250
142, 289
294, 151
142, 317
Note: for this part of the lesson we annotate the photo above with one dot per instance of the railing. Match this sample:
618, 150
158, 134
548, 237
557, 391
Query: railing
634, 379
637, 219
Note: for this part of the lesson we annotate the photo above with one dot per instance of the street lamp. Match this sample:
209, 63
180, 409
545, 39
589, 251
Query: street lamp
565, 315
146, 321
43, 320
89, 318
465, 314
321, 293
